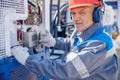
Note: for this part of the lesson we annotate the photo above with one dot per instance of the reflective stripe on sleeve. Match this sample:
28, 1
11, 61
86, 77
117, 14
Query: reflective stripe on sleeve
111, 52
78, 64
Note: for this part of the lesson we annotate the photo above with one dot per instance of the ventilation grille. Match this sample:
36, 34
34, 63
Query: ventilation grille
2, 34
8, 7
13, 6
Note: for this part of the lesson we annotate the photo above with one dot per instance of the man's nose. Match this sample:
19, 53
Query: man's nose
77, 16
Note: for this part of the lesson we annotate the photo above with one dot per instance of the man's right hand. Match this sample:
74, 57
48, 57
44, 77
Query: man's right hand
20, 53
47, 39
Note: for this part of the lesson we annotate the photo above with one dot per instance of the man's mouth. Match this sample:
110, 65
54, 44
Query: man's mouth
78, 23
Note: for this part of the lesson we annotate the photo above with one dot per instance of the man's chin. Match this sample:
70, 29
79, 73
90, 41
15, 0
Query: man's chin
79, 30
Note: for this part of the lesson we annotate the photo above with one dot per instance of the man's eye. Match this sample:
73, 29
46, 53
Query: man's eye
72, 13
81, 13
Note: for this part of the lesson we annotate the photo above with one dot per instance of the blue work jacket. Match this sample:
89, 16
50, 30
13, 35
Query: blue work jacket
89, 56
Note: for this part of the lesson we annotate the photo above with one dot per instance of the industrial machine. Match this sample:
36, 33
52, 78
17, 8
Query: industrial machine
10, 10
21, 23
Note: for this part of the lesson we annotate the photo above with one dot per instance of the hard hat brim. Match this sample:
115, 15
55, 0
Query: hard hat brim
79, 5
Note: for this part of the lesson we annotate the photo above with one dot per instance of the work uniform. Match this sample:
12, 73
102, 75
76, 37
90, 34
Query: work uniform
89, 56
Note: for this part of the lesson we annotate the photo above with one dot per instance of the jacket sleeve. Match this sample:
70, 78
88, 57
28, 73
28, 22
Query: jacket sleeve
75, 66
62, 44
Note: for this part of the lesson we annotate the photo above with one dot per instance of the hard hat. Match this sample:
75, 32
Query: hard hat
78, 3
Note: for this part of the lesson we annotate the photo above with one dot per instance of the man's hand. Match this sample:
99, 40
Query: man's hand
20, 53
47, 40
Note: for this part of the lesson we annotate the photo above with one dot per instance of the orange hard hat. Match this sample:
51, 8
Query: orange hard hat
78, 3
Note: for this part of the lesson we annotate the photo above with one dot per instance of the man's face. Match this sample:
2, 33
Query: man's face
82, 17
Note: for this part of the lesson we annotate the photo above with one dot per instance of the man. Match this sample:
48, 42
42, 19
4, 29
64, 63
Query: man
89, 54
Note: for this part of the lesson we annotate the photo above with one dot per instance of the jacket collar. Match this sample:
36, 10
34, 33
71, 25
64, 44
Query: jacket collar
89, 32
